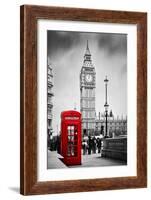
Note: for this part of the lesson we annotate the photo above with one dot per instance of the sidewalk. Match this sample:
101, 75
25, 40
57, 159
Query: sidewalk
93, 160
54, 161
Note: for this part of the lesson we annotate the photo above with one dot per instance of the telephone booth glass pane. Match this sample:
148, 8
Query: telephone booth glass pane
72, 141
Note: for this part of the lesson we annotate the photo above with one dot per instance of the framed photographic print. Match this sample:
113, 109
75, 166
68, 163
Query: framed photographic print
83, 100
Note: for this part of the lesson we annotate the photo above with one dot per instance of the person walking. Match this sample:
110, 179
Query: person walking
99, 141
84, 147
89, 142
94, 144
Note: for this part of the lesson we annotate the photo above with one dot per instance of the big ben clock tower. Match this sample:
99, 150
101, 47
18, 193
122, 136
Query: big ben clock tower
87, 94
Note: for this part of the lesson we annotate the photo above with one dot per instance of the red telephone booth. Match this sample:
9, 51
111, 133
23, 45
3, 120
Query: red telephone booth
71, 137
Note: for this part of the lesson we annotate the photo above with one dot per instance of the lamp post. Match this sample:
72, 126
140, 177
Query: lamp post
106, 106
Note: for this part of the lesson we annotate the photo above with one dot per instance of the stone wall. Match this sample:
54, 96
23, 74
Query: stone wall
115, 148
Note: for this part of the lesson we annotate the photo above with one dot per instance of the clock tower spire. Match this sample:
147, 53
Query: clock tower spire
87, 94
87, 55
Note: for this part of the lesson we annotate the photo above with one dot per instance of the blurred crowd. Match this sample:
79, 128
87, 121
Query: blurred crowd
91, 145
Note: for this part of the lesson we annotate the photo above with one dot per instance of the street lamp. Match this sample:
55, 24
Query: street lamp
106, 106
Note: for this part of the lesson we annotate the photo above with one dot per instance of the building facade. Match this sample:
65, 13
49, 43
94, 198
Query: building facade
87, 94
49, 99
116, 126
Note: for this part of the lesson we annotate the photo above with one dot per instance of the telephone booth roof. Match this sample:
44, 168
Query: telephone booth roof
70, 113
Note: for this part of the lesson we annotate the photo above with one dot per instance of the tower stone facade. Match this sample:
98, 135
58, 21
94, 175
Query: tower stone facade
87, 94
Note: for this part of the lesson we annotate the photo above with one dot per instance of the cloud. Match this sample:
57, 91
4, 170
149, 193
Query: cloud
61, 42
113, 43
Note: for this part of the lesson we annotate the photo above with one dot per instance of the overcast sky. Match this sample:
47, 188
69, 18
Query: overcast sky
109, 56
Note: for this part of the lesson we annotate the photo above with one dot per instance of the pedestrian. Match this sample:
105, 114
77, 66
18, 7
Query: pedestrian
93, 145
84, 147
89, 143
99, 142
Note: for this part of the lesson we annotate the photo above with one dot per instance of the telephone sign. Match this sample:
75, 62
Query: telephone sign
71, 137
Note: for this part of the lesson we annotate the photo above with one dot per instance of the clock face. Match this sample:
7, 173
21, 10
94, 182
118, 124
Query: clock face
88, 78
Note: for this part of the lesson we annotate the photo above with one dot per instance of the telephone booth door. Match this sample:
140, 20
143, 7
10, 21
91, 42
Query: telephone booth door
71, 137
72, 140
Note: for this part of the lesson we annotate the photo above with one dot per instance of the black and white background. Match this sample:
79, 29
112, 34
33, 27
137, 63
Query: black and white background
109, 56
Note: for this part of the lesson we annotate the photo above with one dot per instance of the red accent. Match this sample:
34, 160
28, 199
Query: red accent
71, 137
